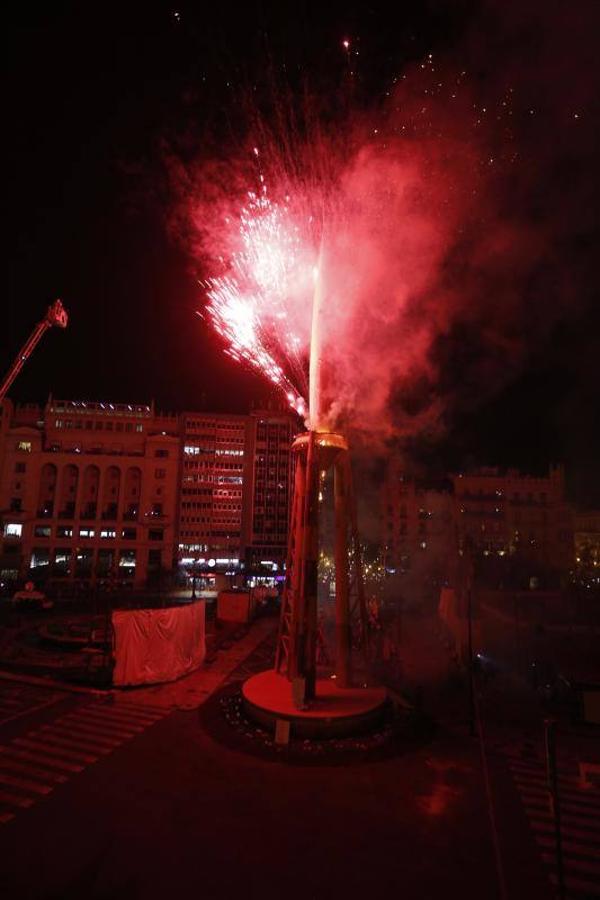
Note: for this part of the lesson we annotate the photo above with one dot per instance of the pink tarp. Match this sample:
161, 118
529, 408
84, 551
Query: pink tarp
154, 645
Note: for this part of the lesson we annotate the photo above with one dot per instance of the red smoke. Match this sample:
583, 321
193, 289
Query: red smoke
441, 264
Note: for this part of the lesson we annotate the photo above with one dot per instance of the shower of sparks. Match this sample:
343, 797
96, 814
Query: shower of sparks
260, 306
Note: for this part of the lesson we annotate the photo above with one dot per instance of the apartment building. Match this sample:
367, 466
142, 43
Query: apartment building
506, 513
216, 463
503, 514
88, 491
418, 522
235, 491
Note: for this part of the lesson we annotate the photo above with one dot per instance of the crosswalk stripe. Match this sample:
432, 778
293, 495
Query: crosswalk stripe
538, 773
75, 731
145, 708
568, 846
62, 735
104, 725
79, 746
14, 800
536, 807
585, 889
565, 796
571, 864
133, 714
58, 747
567, 806
24, 784
564, 770
585, 836
109, 722
27, 769
43, 754
135, 720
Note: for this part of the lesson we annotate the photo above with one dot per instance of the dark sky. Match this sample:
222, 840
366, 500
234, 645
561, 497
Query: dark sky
96, 90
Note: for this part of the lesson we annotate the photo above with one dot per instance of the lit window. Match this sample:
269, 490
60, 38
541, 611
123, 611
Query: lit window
139, 428
25, 446
87, 532
43, 531
64, 531
13, 529
108, 533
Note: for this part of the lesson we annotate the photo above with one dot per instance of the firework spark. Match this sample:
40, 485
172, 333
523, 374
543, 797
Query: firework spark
261, 304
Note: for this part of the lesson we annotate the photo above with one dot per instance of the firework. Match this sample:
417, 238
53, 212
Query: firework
262, 306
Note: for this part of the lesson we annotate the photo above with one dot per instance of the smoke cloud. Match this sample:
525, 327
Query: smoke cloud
455, 220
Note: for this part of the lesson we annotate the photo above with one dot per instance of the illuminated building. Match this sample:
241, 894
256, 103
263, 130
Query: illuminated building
270, 489
235, 490
503, 515
512, 513
215, 468
587, 547
418, 521
104, 491
88, 492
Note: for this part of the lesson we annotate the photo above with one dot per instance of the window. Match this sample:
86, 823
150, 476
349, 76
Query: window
157, 509
87, 532
108, 533
162, 453
139, 427
64, 531
155, 534
40, 558
13, 529
42, 531
20, 467
160, 473
127, 563
154, 559
16, 504
129, 534
24, 446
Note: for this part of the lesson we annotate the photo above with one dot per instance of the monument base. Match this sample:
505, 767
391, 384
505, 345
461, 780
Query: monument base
334, 713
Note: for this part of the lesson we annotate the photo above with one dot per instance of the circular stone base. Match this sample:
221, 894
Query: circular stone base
335, 712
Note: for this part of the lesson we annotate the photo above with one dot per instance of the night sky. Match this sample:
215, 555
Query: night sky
100, 94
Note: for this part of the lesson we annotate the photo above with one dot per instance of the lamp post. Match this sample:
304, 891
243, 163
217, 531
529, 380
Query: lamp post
194, 575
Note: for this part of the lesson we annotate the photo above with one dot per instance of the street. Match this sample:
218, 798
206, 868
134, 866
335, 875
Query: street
137, 795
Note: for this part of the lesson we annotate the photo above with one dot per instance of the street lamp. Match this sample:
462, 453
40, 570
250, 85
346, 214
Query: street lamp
194, 575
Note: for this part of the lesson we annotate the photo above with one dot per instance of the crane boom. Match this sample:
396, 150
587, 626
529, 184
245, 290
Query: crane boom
56, 315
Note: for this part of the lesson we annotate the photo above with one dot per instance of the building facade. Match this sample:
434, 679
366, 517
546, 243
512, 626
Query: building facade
235, 485
88, 491
418, 522
508, 515
513, 513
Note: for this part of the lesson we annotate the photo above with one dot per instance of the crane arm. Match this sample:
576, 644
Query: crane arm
56, 315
